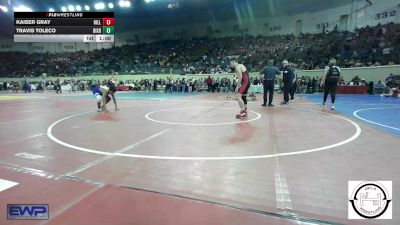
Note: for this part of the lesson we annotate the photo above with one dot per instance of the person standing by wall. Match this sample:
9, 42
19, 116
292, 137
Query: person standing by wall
288, 78
269, 74
155, 85
168, 85
58, 86
209, 82
234, 82
294, 86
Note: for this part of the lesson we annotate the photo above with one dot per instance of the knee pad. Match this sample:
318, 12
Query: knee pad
244, 98
98, 98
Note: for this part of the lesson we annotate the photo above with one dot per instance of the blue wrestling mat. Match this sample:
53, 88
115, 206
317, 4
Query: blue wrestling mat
380, 112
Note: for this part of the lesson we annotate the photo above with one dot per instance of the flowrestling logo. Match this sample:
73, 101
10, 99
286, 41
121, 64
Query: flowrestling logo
370, 199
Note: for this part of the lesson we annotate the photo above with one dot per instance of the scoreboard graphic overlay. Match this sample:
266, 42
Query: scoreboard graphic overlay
64, 27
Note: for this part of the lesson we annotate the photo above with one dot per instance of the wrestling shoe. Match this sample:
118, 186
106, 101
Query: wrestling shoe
104, 109
243, 114
332, 107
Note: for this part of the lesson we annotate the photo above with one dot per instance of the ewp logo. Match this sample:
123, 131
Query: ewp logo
28, 212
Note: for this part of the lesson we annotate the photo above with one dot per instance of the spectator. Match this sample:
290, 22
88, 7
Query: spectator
356, 80
391, 80
379, 88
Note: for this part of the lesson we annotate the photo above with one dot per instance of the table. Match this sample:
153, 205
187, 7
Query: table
347, 89
122, 87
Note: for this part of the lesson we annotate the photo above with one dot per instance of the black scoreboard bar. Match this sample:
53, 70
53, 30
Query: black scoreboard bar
58, 22
54, 26
63, 14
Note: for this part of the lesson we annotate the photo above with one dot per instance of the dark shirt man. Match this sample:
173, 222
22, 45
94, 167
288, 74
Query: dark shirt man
58, 86
288, 78
269, 74
391, 81
294, 86
379, 88
209, 82
332, 77
155, 85
356, 80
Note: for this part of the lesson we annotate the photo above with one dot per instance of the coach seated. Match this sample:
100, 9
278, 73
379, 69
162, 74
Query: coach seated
356, 80
392, 92
379, 88
391, 80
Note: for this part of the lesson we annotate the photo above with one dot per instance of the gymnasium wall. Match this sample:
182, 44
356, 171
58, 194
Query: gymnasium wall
368, 73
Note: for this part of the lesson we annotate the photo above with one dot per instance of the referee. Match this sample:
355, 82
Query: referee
288, 80
269, 72
294, 86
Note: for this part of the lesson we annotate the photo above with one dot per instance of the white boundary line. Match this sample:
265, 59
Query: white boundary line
6, 184
355, 113
147, 116
26, 111
352, 138
50, 135
125, 149
283, 200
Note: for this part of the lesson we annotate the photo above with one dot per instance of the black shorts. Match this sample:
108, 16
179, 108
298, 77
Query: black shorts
330, 88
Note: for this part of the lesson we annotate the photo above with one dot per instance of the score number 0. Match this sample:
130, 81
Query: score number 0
108, 21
